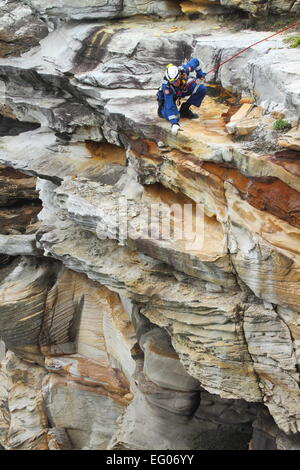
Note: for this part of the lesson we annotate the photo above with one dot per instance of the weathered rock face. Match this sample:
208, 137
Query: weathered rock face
267, 436
65, 321
86, 342
99, 58
61, 10
20, 28
99, 9
97, 208
19, 206
254, 7
143, 276
15, 187
21, 401
260, 7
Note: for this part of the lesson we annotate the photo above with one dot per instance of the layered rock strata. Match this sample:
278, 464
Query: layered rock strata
20, 28
19, 207
109, 333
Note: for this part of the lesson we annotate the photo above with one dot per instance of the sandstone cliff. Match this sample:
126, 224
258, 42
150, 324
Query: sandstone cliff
113, 339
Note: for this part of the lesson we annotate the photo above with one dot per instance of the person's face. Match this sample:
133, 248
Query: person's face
176, 82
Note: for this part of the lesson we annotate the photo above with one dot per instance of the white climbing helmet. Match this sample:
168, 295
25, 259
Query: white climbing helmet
172, 73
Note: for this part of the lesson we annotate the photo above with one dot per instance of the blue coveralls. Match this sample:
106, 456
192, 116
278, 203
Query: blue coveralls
193, 89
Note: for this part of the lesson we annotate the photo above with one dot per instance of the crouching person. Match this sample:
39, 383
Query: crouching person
177, 84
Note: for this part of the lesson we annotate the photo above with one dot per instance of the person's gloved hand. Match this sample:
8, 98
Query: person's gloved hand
175, 128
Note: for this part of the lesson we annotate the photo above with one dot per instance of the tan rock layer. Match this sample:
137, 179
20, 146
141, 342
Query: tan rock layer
88, 375
291, 139
287, 159
197, 251
107, 153
186, 173
23, 291
70, 317
22, 402
264, 251
271, 349
208, 323
267, 194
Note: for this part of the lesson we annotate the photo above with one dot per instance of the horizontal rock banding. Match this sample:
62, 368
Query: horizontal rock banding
133, 329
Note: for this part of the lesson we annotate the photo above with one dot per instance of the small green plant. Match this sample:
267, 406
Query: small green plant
294, 41
281, 125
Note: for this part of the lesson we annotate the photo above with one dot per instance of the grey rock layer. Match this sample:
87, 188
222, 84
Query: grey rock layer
20, 28
195, 326
98, 9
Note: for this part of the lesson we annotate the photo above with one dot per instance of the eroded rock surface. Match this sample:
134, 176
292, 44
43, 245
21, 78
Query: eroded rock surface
256, 8
106, 326
20, 28
99, 9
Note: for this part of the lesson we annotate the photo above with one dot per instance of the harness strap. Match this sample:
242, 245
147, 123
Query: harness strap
196, 88
190, 82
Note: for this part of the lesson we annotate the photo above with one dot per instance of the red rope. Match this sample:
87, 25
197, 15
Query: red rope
254, 44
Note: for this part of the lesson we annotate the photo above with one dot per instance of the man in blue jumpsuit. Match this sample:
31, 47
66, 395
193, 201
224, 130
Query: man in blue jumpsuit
177, 84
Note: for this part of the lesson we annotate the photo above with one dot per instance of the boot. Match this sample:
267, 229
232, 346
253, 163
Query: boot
186, 112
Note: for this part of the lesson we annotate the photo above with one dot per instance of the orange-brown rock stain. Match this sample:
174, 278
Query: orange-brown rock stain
194, 3
108, 153
143, 148
90, 376
266, 194
230, 112
162, 352
159, 193
210, 123
231, 104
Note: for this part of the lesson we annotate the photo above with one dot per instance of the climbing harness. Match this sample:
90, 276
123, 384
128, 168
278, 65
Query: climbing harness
254, 44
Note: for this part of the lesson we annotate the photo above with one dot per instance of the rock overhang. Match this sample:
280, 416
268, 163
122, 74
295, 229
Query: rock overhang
222, 333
